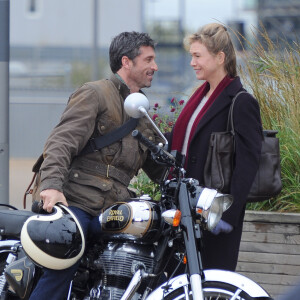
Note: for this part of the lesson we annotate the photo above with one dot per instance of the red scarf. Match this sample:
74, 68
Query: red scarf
188, 110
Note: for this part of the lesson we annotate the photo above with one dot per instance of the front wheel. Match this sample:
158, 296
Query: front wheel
213, 291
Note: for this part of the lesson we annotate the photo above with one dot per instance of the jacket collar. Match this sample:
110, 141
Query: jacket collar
120, 85
221, 102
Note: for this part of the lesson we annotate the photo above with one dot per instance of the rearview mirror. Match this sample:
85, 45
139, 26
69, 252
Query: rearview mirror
136, 106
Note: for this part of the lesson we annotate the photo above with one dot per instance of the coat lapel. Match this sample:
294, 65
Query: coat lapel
222, 102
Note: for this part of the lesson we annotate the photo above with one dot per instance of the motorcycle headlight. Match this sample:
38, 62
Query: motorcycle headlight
210, 206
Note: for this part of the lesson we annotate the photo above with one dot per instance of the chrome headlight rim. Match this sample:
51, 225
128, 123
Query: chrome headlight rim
210, 206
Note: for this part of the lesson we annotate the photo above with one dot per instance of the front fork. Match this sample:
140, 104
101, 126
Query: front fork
193, 258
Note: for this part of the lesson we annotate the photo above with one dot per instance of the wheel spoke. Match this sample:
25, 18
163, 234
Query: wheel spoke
238, 291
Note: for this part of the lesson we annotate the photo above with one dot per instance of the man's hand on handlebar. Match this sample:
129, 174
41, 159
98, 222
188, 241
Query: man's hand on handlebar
50, 197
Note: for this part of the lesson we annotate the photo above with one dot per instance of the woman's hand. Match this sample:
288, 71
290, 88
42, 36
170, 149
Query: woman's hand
222, 226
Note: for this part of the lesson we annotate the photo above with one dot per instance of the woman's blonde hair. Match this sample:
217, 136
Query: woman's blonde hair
215, 38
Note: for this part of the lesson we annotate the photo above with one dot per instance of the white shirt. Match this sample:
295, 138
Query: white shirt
190, 124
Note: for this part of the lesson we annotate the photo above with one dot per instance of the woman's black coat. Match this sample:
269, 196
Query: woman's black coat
222, 251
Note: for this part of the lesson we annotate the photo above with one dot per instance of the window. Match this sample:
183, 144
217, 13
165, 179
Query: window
33, 8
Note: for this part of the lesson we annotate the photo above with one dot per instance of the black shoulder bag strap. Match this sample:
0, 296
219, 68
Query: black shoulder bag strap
230, 126
97, 143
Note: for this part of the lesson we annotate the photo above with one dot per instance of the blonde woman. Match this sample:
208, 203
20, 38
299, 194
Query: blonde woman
214, 61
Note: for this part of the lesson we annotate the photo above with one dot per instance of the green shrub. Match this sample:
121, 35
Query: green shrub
272, 74
142, 184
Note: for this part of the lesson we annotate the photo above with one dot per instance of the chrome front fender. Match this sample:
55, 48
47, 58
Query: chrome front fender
242, 282
246, 284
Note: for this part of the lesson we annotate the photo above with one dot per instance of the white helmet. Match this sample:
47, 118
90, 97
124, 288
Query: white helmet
55, 241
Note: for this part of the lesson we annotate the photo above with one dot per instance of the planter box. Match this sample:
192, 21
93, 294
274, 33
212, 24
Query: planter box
270, 250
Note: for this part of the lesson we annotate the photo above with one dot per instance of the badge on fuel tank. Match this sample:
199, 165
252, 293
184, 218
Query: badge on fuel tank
116, 217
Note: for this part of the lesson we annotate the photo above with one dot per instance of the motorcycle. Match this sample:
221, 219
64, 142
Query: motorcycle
147, 250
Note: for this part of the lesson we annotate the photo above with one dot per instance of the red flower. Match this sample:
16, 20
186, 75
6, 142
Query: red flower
181, 102
172, 100
172, 109
170, 124
156, 105
154, 117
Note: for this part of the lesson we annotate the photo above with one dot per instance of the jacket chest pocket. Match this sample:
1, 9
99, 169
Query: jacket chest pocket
104, 127
106, 124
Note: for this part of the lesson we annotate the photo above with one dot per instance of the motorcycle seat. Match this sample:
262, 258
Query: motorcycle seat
11, 221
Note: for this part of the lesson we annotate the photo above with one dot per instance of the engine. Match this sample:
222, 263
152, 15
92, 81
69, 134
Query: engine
118, 263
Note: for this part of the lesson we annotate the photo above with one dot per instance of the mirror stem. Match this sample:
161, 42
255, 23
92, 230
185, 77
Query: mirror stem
145, 113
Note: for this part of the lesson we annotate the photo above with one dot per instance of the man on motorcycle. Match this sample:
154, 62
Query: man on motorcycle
89, 182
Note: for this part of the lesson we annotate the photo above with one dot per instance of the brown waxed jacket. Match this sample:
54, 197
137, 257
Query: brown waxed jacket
96, 180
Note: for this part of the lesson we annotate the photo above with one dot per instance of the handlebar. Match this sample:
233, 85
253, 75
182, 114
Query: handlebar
160, 155
151, 146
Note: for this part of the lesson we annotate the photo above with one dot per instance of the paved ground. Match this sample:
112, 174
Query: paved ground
20, 176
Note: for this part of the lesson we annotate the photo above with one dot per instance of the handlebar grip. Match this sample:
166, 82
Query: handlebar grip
151, 146
37, 207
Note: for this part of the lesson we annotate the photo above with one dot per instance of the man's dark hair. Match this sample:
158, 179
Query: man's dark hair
127, 44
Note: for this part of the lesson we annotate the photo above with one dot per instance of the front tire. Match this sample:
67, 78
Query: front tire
213, 291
